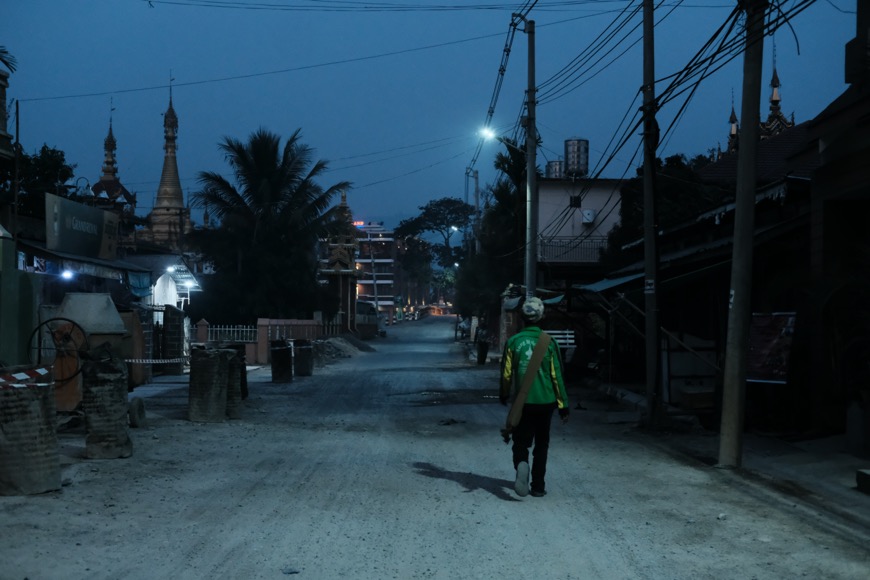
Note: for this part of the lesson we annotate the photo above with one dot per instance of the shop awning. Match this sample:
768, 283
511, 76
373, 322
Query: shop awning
137, 277
607, 283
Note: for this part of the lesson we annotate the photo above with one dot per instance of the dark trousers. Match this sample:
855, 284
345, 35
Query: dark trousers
534, 428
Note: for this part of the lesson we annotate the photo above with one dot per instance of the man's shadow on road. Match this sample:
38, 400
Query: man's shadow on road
469, 481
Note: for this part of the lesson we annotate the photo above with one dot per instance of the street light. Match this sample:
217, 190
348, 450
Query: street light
487, 133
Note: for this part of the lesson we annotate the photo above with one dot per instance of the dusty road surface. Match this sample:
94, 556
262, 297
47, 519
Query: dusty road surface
389, 464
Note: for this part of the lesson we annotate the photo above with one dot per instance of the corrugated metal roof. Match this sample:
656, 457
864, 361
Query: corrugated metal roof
607, 283
773, 162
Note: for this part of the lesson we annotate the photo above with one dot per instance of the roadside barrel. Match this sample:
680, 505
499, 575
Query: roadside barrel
282, 361
235, 370
304, 354
104, 401
242, 361
207, 394
29, 451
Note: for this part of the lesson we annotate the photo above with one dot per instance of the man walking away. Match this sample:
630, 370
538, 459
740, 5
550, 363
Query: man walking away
536, 396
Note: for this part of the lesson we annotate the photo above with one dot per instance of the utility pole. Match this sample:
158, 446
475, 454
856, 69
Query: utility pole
374, 275
739, 304
650, 221
531, 172
17, 183
476, 213
466, 239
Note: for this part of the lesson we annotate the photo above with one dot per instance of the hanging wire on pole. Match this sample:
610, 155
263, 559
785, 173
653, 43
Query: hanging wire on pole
516, 18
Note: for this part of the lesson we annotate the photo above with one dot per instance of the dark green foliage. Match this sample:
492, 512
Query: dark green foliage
45, 171
444, 217
483, 278
680, 196
270, 221
416, 260
7, 59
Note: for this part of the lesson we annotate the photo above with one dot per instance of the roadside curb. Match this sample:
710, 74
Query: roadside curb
626, 397
816, 478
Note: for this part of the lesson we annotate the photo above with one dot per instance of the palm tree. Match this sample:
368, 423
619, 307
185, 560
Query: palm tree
7, 59
270, 220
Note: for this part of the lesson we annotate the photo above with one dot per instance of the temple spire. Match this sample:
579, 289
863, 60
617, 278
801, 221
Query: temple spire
110, 145
109, 182
734, 132
169, 193
776, 122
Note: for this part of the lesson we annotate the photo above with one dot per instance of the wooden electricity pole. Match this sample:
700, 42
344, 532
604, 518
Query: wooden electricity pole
739, 303
531, 268
650, 225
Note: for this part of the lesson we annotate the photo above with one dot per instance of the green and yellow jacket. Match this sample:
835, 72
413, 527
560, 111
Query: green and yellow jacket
548, 385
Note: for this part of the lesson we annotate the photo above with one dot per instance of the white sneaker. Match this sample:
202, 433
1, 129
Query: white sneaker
521, 485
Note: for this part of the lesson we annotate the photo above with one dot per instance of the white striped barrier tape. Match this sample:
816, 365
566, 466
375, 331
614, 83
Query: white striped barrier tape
25, 378
149, 361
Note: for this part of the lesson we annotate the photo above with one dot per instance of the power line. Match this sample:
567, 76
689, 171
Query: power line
418, 170
365, 6
592, 49
261, 74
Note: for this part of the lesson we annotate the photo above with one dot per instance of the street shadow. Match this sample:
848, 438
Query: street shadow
500, 488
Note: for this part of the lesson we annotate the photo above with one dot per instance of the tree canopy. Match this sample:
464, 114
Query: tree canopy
270, 220
7, 59
501, 234
44, 171
444, 217
680, 196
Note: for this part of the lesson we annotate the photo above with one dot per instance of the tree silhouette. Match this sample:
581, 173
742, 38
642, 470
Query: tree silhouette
270, 221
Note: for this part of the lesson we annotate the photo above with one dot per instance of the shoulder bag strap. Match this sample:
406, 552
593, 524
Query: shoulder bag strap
534, 365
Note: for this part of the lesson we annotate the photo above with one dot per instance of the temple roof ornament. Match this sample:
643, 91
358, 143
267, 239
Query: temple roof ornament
109, 182
734, 133
776, 122
169, 192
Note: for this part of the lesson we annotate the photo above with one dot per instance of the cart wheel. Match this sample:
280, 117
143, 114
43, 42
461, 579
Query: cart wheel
136, 411
58, 338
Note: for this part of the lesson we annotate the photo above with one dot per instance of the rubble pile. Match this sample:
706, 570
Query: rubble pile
330, 349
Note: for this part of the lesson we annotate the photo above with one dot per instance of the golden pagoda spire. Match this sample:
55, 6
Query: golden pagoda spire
169, 192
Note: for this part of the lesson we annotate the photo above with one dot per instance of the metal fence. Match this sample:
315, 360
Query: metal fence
230, 333
275, 330
572, 249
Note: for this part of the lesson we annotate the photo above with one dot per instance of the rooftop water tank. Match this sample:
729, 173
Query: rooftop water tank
555, 169
576, 157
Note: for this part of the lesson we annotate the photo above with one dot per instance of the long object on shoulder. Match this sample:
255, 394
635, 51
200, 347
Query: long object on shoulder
535, 362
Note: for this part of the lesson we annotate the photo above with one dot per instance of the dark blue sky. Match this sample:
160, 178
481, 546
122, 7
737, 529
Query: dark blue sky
393, 98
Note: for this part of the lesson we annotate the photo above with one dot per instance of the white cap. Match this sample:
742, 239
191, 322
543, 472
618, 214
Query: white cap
533, 309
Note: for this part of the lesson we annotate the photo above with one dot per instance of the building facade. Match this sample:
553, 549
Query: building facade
378, 269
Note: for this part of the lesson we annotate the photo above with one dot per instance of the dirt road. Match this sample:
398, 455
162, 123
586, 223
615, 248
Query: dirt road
389, 464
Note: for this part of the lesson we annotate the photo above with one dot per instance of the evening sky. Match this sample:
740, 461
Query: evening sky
392, 94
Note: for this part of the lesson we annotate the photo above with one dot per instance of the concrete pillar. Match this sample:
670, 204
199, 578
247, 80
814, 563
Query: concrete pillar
10, 342
202, 331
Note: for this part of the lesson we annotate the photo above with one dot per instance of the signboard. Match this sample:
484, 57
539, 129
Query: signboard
770, 339
75, 228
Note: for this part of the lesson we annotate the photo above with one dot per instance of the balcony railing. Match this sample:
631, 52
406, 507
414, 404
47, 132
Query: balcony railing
564, 249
